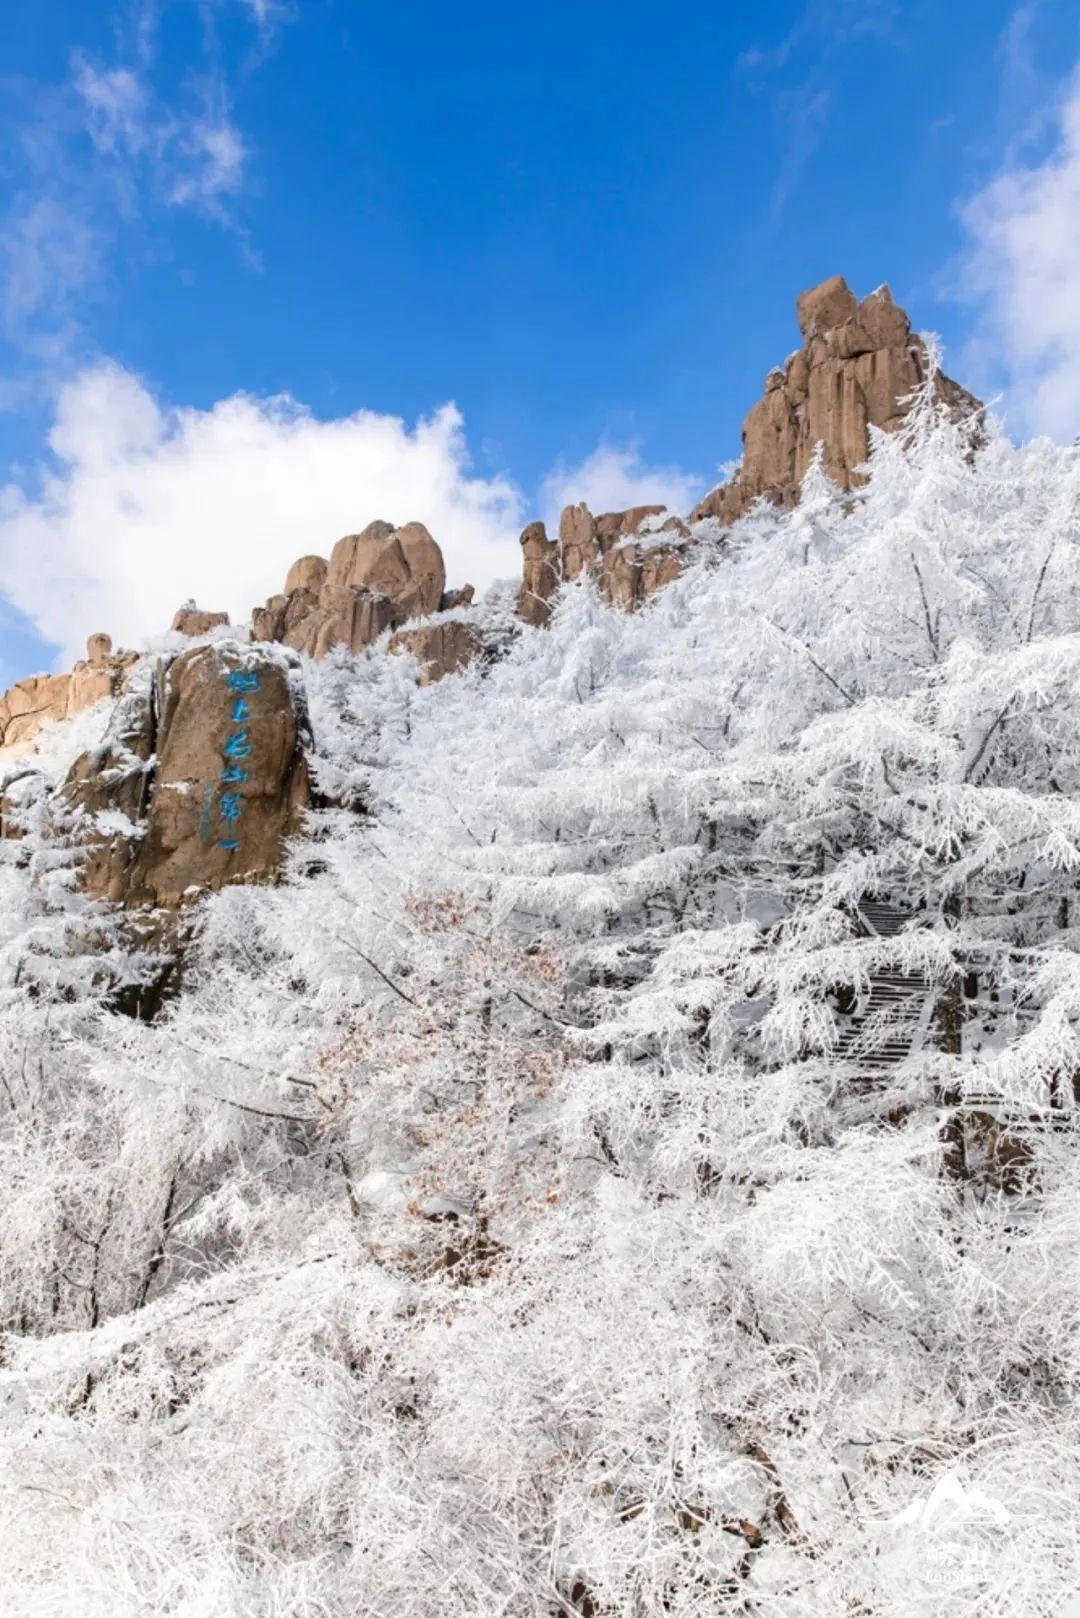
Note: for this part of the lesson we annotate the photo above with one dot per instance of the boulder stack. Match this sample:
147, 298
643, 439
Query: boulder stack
191, 620
376, 580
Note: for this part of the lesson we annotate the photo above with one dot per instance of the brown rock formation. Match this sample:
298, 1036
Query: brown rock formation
376, 580
439, 648
29, 703
231, 780
629, 553
90, 682
824, 307
309, 573
199, 781
190, 620
858, 362
338, 616
540, 565
404, 564
104, 799
578, 551
452, 599
24, 709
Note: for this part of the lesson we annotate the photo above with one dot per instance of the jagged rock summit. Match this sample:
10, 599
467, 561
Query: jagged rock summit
857, 365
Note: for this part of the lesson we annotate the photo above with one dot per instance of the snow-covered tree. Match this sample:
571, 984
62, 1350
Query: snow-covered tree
630, 1159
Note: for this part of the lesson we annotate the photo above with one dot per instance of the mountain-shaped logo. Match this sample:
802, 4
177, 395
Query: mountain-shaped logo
948, 1505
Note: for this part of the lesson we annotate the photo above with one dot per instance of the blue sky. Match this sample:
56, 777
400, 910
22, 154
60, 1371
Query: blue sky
584, 224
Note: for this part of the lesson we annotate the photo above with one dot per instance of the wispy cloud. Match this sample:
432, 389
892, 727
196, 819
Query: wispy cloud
796, 72
211, 160
1022, 266
828, 22
106, 156
269, 14
117, 106
49, 251
804, 116
1025, 110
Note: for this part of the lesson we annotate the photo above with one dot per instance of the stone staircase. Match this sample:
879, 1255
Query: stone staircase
890, 1022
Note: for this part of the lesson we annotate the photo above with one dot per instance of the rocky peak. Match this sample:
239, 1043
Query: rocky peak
857, 364
375, 580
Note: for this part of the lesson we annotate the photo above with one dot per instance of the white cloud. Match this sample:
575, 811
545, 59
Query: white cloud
1024, 263
104, 156
214, 158
48, 251
613, 478
116, 105
145, 505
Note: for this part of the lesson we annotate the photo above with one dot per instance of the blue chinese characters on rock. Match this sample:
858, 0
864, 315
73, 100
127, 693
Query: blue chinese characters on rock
240, 684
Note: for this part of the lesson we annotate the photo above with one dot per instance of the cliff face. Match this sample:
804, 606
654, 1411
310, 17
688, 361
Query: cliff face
202, 777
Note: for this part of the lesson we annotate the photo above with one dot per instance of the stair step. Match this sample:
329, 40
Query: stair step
901, 1045
872, 1054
